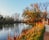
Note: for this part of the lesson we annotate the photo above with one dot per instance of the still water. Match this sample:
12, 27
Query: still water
12, 28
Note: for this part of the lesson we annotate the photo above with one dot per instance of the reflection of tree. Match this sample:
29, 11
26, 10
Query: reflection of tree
7, 26
1, 26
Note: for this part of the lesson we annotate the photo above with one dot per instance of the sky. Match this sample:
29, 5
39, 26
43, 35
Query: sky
10, 7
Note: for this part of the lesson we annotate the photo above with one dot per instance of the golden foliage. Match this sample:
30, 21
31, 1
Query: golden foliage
33, 33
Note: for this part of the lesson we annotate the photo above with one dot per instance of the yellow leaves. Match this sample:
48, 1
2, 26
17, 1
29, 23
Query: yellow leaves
40, 25
32, 33
35, 31
39, 33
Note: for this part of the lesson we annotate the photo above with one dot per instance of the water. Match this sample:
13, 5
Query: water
12, 28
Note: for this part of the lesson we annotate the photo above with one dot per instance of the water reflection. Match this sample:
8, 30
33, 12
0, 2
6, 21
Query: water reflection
0, 26
12, 28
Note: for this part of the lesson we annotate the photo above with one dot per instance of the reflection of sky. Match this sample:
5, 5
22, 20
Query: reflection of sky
9, 7
4, 34
17, 28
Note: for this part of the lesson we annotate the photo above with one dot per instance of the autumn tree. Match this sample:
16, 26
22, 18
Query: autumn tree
37, 31
32, 15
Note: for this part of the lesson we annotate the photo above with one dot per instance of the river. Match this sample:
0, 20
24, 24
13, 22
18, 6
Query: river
12, 28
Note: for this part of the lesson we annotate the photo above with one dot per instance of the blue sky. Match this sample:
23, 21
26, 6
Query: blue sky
9, 7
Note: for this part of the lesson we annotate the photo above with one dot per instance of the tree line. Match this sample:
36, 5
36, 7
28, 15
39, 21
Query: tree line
6, 19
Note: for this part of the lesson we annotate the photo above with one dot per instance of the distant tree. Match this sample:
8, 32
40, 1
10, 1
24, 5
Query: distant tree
1, 17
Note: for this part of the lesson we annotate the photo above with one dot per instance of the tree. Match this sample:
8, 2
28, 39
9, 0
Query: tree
32, 15
1, 17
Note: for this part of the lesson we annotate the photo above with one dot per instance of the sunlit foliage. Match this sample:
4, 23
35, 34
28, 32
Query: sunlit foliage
33, 17
33, 33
